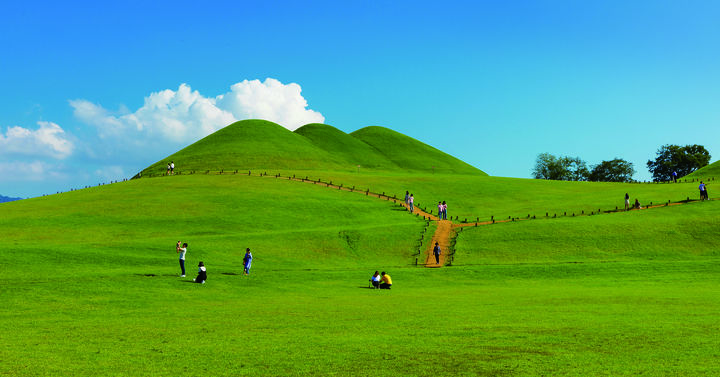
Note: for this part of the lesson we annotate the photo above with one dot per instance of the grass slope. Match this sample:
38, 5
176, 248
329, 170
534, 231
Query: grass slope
707, 172
483, 196
340, 144
250, 145
410, 154
92, 283
262, 145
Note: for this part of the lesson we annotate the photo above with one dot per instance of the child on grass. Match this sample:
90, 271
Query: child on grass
202, 274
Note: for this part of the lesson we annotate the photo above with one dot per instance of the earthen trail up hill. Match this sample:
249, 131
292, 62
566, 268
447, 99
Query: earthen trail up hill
446, 229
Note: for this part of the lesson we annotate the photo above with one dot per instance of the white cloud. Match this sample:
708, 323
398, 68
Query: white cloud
49, 140
270, 100
186, 115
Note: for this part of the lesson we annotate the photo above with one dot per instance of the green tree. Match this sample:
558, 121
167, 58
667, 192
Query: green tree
683, 160
563, 168
616, 170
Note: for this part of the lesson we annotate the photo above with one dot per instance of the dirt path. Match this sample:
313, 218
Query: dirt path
445, 228
443, 235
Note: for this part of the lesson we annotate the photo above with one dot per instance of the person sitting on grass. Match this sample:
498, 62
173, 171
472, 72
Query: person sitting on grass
202, 274
385, 281
637, 204
375, 280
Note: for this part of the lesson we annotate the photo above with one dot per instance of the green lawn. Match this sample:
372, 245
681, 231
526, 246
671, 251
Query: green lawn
90, 281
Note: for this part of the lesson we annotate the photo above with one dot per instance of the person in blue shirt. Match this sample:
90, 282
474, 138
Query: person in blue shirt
247, 261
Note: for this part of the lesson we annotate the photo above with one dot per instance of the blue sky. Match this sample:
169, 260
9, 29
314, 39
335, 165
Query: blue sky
93, 92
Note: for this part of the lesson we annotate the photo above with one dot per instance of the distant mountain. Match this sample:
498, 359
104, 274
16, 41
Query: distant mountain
258, 144
4, 199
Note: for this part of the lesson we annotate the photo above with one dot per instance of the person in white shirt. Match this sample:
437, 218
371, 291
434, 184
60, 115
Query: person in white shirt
172, 167
375, 280
182, 250
202, 273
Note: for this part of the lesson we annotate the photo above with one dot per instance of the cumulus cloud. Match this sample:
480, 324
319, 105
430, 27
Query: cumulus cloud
49, 140
185, 115
270, 100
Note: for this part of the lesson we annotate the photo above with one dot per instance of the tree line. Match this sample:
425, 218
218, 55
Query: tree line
681, 160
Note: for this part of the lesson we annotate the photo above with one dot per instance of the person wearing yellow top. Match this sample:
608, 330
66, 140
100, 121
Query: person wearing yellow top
385, 281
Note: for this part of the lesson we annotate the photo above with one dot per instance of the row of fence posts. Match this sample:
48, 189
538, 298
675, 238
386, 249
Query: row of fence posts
427, 218
421, 241
87, 187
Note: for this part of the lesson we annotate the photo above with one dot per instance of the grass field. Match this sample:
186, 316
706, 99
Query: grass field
90, 278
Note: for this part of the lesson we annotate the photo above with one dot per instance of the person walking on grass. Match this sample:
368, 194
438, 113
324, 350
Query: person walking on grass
674, 176
168, 169
407, 198
247, 261
172, 167
627, 201
385, 281
444, 209
411, 203
182, 250
437, 252
202, 273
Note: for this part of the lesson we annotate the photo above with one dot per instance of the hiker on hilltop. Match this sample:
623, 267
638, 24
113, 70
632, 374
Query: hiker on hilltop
627, 201
411, 203
385, 281
181, 250
247, 261
436, 252
444, 210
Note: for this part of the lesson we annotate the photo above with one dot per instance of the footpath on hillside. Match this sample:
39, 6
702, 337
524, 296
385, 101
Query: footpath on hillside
446, 229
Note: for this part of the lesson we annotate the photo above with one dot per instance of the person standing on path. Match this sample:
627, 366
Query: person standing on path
702, 190
247, 261
440, 209
411, 203
182, 250
627, 201
407, 198
444, 210
437, 251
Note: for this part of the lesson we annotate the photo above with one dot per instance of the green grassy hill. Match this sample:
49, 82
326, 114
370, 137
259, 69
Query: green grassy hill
410, 154
250, 145
262, 145
91, 280
340, 144
711, 171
